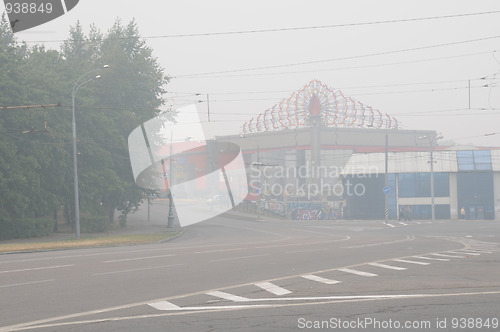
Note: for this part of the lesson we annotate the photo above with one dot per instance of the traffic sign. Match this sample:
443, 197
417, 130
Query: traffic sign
387, 190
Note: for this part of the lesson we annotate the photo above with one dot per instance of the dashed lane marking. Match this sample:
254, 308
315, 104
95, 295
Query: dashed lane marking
37, 268
359, 273
272, 288
465, 252
390, 267
320, 279
444, 255
227, 296
135, 270
137, 258
235, 258
432, 259
27, 283
219, 250
410, 262
164, 306
481, 251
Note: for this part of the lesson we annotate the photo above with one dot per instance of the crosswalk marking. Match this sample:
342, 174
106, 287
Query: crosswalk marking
451, 256
227, 296
465, 252
320, 279
410, 262
402, 223
390, 225
164, 305
481, 251
272, 288
433, 259
359, 273
384, 266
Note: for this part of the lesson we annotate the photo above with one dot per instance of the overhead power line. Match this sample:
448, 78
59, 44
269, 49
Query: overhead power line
338, 59
338, 68
328, 26
315, 27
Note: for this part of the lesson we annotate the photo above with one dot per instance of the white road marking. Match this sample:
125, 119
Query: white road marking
359, 273
410, 262
27, 283
299, 251
233, 258
384, 266
220, 250
38, 268
433, 259
137, 258
227, 296
164, 305
481, 251
48, 322
402, 223
390, 225
134, 270
451, 256
345, 238
272, 288
465, 252
320, 279
408, 238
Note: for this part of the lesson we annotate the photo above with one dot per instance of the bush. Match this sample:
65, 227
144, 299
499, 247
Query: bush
25, 228
94, 224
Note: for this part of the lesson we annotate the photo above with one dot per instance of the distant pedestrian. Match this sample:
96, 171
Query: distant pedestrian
407, 213
462, 213
401, 213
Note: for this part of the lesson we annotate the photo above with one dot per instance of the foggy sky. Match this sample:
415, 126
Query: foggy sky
377, 81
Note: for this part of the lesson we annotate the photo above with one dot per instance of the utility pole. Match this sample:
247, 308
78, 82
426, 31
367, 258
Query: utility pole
170, 220
433, 207
386, 180
208, 107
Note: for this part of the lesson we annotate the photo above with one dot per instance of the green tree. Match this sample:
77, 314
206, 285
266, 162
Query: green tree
36, 169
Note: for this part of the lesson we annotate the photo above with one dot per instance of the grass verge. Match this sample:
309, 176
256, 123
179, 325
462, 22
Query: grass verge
89, 242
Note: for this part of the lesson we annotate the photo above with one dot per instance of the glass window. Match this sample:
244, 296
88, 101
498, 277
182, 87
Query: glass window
465, 160
414, 184
477, 160
441, 185
482, 160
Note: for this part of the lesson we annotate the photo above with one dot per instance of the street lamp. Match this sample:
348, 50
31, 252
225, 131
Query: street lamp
171, 217
76, 86
431, 145
258, 164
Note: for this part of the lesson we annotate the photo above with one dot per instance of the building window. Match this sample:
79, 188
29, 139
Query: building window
441, 185
419, 185
414, 184
477, 160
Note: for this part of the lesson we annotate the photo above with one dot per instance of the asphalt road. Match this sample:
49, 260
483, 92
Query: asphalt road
235, 275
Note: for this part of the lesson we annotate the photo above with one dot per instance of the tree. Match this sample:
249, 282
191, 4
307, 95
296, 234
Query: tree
36, 169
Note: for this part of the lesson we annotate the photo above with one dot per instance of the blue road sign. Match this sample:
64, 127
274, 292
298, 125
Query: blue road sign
387, 190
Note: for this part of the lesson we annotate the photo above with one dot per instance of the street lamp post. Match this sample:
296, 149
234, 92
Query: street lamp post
170, 219
258, 164
431, 146
76, 86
